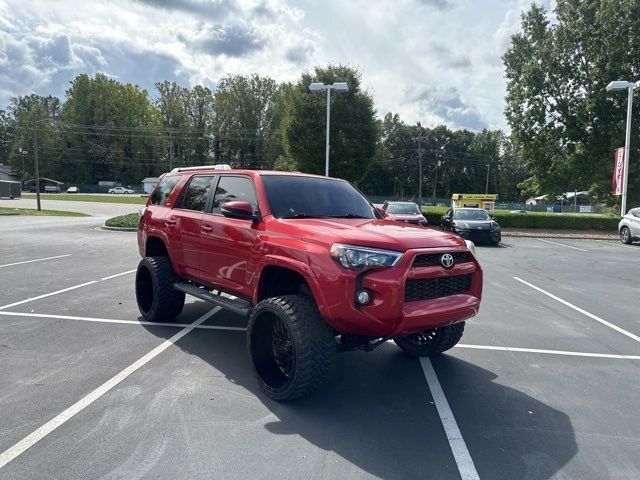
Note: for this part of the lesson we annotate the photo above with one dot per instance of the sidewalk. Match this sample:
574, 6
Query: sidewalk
575, 234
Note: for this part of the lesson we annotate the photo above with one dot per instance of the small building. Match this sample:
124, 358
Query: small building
8, 173
148, 184
474, 200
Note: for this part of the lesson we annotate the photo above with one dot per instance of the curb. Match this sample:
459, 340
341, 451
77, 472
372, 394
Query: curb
118, 229
560, 235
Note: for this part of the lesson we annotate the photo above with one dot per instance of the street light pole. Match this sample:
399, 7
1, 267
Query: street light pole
326, 155
338, 87
630, 87
627, 144
486, 188
35, 161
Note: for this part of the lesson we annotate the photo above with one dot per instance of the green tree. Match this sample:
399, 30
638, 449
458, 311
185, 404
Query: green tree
110, 132
28, 113
7, 135
353, 135
564, 124
248, 113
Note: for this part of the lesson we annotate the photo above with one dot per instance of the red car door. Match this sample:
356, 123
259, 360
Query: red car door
227, 243
183, 222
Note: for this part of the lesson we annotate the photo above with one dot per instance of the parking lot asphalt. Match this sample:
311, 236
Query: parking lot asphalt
543, 384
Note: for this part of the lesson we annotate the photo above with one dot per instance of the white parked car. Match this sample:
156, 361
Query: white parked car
629, 226
73, 190
120, 190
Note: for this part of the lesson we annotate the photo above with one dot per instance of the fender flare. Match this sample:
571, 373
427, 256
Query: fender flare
301, 269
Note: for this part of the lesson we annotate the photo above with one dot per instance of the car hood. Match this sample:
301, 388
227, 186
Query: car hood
474, 224
387, 234
411, 217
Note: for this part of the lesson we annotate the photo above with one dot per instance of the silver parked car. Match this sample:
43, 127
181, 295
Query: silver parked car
629, 226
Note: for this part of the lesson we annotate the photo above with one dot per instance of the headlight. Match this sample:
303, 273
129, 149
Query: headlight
361, 258
495, 226
471, 246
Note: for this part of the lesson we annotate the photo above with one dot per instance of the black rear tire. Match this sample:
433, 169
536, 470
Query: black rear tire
292, 349
625, 236
157, 300
431, 342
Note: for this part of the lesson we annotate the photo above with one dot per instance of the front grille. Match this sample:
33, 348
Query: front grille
434, 258
424, 289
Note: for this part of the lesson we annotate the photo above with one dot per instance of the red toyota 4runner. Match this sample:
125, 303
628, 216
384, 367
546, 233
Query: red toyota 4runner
310, 261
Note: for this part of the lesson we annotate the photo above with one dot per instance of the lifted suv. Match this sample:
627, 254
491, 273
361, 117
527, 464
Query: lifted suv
310, 261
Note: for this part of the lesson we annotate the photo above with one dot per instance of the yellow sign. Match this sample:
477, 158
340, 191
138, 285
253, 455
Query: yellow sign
473, 196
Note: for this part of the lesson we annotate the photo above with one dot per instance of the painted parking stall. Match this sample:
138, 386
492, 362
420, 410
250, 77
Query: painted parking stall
514, 400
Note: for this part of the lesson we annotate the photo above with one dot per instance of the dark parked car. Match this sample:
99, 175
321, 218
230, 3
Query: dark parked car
473, 224
407, 212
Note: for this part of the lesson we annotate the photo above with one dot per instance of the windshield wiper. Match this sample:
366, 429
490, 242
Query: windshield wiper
305, 215
350, 215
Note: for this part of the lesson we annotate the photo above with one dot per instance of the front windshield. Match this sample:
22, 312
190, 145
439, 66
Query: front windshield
292, 196
465, 214
402, 208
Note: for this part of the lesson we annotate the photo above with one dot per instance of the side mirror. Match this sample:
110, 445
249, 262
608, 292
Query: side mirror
381, 212
239, 209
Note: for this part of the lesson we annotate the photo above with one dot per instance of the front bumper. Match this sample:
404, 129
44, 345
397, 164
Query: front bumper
390, 313
479, 236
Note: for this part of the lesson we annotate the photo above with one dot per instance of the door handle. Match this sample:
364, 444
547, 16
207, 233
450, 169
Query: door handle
206, 228
170, 221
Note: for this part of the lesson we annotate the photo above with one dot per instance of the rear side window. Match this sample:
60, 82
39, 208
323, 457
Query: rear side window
195, 194
164, 188
232, 188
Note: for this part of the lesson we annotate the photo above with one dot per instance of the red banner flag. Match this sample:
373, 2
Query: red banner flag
618, 171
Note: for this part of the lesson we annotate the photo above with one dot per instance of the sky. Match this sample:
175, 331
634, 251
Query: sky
433, 61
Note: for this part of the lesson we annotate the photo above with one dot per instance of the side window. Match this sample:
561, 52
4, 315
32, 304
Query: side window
232, 188
636, 212
195, 194
162, 191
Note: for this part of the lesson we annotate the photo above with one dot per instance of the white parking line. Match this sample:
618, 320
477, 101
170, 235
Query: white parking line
36, 260
562, 245
32, 299
124, 322
549, 352
459, 449
31, 439
584, 312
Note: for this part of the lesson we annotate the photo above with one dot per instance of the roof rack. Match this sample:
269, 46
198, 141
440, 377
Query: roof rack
219, 166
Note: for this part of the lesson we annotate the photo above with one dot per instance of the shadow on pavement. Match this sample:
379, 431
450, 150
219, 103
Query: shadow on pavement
509, 434
377, 413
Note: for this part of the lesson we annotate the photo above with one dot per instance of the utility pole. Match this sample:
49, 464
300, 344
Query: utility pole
486, 188
435, 181
35, 160
420, 172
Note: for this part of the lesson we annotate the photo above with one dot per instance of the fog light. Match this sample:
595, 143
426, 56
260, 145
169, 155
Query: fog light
363, 297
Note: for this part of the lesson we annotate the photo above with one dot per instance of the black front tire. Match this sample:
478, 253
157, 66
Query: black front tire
157, 300
292, 349
625, 236
431, 342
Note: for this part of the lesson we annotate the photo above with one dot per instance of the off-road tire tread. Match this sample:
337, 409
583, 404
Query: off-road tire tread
314, 343
447, 337
168, 301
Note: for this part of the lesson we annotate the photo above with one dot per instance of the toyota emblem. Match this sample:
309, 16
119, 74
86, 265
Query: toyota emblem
446, 259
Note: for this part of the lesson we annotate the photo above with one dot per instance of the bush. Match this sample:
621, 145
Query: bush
129, 220
543, 220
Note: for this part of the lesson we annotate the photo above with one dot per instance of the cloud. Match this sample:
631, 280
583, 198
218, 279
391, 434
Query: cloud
450, 59
438, 4
300, 54
445, 105
230, 40
210, 9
